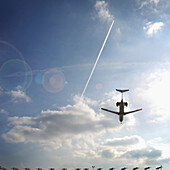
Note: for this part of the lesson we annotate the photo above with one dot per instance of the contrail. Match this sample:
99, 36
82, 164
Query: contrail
98, 57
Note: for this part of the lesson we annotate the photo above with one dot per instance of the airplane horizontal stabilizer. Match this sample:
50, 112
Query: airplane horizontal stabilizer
110, 111
132, 111
122, 91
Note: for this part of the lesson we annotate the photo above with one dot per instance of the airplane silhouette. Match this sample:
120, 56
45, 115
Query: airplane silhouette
121, 105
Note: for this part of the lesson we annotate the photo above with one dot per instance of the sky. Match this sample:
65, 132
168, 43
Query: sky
47, 53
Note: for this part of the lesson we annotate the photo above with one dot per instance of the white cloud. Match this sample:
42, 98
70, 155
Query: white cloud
81, 131
19, 94
72, 120
149, 2
3, 111
154, 9
21, 120
126, 141
78, 128
155, 1
103, 12
153, 28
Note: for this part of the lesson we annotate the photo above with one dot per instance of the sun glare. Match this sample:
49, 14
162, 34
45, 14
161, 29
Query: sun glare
156, 92
159, 89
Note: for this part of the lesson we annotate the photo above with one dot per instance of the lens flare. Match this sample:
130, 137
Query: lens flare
54, 81
99, 86
15, 73
9, 52
39, 79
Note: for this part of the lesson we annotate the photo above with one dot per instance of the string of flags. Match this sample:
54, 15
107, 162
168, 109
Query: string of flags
147, 168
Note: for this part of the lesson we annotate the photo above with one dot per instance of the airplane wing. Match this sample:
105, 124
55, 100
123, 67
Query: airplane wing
110, 111
132, 111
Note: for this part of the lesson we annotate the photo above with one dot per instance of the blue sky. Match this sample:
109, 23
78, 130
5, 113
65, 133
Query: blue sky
47, 52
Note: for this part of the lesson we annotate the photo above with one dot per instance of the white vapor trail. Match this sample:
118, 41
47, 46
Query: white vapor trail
98, 57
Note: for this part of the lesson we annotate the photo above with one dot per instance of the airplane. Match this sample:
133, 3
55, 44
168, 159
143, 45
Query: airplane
121, 105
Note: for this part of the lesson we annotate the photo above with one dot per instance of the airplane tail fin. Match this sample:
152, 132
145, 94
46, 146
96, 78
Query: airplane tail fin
122, 91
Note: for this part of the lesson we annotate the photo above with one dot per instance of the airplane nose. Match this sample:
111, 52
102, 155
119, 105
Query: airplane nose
121, 118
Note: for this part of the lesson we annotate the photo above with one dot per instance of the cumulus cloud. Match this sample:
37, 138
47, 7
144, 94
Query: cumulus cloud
81, 131
72, 120
19, 94
77, 128
21, 120
103, 12
149, 153
126, 141
147, 156
153, 28
132, 149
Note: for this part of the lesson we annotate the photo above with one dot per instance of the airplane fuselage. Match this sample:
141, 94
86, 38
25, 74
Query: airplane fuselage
121, 110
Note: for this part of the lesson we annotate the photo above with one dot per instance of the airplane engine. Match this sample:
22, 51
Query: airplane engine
118, 104
126, 104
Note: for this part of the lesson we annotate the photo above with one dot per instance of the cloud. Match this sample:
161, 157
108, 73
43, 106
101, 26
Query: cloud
150, 153
21, 120
81, 131
135, 151
126, 141
144, 156
153, 28
123, 145
72, 120
149, 2
3, 111
19, 94
103, 12
158, 162
107, 154
154, 9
